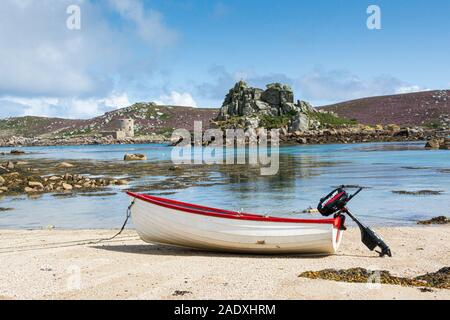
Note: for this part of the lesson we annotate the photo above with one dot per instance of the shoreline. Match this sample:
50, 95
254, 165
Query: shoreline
350, 135
284, 142
127, 268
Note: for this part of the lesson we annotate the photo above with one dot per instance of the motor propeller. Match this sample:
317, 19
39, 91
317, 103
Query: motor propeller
335, 204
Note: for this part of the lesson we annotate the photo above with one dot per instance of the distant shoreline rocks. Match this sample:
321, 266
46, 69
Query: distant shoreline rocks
346, 134
75, 141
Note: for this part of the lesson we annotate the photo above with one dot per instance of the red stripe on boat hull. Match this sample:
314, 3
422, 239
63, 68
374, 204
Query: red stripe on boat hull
219, 213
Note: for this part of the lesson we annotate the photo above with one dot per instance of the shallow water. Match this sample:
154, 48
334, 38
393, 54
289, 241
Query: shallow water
306, 174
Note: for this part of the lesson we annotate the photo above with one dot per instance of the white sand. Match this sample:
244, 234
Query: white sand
45, 265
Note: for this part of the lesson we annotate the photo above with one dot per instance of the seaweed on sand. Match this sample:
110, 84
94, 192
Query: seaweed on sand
439, 279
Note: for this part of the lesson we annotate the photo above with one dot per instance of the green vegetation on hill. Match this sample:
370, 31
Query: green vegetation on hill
433, 124
232, 122
166, 131
331, 120
271, 122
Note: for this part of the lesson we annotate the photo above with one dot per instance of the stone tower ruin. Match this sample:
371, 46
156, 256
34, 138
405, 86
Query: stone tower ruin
126, 126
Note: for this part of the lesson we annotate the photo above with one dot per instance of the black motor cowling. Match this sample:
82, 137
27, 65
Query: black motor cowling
333, 202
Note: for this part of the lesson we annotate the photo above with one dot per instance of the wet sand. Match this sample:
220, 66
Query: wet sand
50, 264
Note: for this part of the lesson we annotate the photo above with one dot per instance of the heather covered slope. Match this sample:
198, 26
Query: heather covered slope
428, 108
35, 126
149, 118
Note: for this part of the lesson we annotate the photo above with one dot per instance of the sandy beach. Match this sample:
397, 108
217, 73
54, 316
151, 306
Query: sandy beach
51, 264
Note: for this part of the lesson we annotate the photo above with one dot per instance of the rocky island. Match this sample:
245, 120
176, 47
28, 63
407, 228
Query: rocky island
247, 107
299, 122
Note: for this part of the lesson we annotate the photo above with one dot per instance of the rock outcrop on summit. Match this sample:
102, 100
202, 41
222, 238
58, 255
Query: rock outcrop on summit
252, 105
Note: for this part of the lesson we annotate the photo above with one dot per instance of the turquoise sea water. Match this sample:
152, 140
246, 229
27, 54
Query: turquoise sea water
306, 174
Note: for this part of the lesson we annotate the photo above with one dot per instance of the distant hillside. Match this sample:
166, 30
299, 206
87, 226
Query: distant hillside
428, 108
149, 118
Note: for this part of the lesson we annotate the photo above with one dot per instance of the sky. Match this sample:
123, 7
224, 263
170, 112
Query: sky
192, 52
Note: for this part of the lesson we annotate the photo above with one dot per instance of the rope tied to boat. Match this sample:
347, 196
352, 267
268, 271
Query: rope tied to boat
123, 226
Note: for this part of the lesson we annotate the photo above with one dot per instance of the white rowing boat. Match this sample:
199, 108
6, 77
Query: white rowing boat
163, 221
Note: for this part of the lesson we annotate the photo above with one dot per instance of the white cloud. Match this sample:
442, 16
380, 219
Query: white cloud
47, 69
177, 99
40, 56
74, 108
149, 23
118, 100
409, 89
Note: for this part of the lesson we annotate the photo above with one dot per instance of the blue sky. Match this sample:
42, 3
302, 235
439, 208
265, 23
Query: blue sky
191, 52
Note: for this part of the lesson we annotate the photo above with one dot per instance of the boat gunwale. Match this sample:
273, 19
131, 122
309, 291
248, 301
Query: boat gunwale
219, 213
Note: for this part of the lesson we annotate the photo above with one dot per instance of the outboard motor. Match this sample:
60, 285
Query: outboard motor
335, 204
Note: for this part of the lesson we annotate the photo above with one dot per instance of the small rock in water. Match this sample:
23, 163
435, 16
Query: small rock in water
418, 193
16, 152
438, 143
435, 220
121, 182
65, 165
95, 194
434, 143
134, 157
